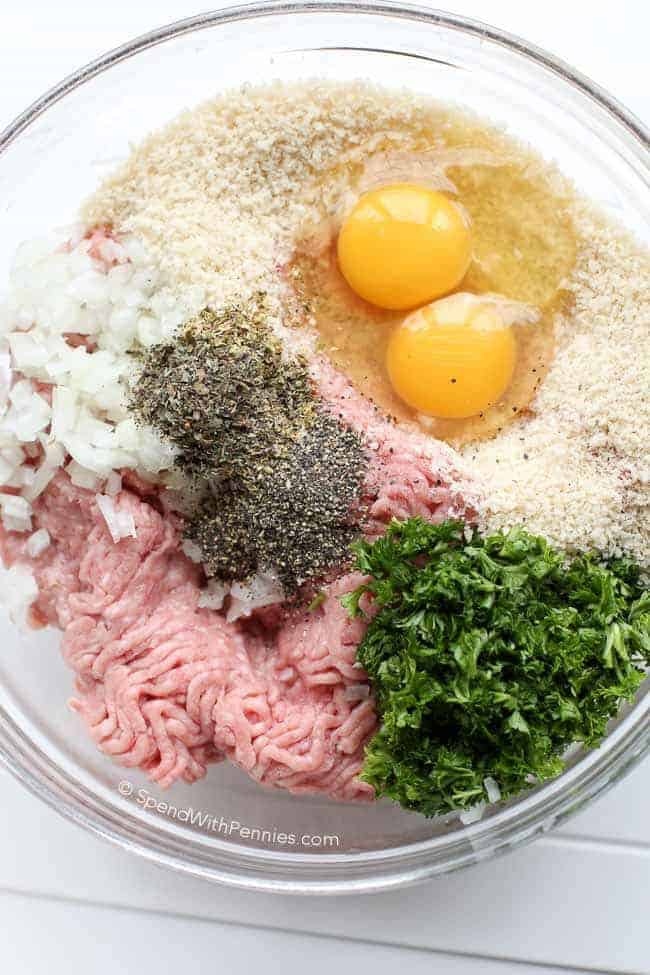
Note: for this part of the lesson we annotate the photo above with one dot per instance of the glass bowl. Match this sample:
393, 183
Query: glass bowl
226, 828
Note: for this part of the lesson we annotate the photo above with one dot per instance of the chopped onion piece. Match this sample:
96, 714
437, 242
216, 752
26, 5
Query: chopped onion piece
37, 543
492, 789
15, 506
213, 596
27, 352
65, 410
18, 590
13, 524
120, 523
82, 477
27, 418
262, 589
54, 458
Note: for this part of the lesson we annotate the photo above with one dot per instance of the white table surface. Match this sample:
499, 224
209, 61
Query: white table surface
577, 900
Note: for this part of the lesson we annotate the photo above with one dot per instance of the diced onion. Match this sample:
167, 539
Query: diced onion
15, 506
13, 524
492, 789
120, 523
67, 404
82, 477
37, 543
262, 589
18, 590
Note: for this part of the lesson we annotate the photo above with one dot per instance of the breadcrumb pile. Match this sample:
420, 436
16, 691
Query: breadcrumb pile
218, 196
578, 469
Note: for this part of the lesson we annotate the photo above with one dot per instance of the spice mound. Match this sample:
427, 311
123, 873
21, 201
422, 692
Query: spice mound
278, 479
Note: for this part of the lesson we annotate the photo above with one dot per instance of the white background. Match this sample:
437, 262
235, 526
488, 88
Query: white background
576, 901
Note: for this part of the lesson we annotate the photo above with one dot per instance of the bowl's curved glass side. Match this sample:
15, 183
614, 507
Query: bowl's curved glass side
74, 136
414, 13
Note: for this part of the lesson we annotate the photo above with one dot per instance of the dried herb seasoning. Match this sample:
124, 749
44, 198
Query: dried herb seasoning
283, 477
224, 393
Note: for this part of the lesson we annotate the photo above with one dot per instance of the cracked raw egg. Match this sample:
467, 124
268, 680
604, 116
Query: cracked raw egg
403, 245
367, 265
452, 359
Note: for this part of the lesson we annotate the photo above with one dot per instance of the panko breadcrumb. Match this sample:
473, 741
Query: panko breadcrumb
578, 469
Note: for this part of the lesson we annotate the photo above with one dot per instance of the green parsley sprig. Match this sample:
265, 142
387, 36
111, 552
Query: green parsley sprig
489, 656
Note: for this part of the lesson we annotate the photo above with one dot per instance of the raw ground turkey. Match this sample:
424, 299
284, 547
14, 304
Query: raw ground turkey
168, 687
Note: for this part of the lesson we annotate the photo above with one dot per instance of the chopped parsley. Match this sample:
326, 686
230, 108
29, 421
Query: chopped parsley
489, 656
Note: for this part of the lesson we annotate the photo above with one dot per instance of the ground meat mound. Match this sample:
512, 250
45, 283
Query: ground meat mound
168, 687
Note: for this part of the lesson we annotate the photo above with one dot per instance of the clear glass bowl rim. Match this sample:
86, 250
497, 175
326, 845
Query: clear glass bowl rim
359, 872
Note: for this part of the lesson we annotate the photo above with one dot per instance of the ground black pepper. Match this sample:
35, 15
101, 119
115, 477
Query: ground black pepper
299, 520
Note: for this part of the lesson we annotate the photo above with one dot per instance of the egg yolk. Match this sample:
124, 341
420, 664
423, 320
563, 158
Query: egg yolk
404, 245
453, 358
